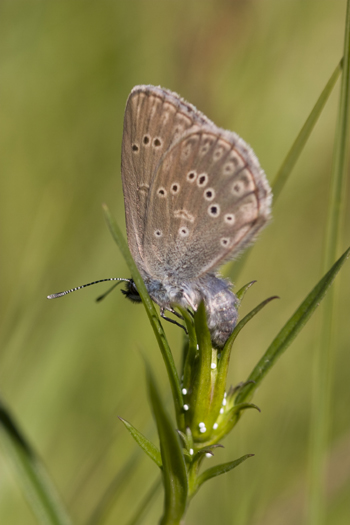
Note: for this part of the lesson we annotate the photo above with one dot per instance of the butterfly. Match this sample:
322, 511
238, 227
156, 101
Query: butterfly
195, 196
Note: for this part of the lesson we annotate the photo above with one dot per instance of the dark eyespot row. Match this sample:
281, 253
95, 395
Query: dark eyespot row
146, 141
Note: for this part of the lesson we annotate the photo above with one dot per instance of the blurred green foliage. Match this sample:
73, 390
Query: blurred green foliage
69, 367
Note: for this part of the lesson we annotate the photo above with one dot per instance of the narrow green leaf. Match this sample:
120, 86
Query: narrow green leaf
230, 419
174, 466
150, 449
220, 384
242, 291
229, 343
220, 469
31, 474
243, 406
152, 315
290, 330
206, 450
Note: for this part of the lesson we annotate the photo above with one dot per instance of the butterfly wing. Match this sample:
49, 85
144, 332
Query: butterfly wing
207, 201
154, 119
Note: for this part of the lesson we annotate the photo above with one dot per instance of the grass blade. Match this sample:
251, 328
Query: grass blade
322, 386
290, 330
146, 445
31, 474
174, 467
289, 162
152, 315
299, 143
220, 469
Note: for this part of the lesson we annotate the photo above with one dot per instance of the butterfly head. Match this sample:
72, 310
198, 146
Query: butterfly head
131, 292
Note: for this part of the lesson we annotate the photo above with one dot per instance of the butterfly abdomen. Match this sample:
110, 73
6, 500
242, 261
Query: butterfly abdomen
220, 304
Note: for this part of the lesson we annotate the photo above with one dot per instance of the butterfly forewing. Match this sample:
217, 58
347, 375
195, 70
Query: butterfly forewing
154, 119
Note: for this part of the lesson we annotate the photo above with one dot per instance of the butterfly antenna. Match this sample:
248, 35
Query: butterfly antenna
61, 294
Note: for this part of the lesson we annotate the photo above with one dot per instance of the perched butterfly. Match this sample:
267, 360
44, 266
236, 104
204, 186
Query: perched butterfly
195, 196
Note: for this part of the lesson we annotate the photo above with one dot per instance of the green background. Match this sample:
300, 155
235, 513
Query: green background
69, 367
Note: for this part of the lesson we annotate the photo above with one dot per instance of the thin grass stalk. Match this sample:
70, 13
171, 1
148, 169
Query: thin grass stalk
292, 157
322, 384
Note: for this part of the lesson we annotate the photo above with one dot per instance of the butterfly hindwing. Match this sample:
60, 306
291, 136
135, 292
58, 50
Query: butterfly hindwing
208, 199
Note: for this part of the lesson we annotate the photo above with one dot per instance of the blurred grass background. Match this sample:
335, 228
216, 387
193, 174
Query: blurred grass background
69, 367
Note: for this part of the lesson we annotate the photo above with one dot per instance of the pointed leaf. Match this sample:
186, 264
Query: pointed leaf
152, 315
242, 291
243, 406
146, 445
31, 474
290, 330
206, 450
174, 466
225, 354
242, 323
220, 469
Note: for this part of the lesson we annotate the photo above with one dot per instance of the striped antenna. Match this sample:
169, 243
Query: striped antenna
61, 294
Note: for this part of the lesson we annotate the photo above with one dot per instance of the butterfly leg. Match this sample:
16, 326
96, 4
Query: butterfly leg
172, 320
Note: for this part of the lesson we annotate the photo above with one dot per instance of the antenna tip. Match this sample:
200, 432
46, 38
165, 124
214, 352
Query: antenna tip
55, 295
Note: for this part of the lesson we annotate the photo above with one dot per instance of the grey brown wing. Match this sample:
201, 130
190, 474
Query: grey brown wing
154, 119
208, 200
